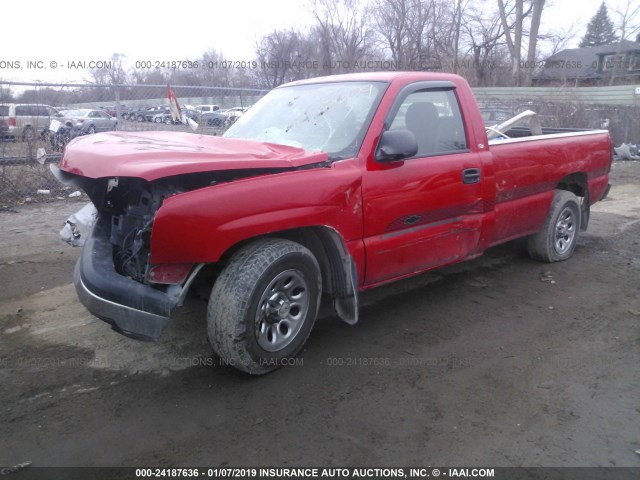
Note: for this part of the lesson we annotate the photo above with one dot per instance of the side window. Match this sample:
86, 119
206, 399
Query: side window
41, 111
434, 118
23, 110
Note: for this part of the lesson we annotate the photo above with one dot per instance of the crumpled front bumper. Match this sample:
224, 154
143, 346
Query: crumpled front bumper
132, 308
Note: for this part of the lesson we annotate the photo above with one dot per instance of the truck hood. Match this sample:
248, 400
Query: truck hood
154, 155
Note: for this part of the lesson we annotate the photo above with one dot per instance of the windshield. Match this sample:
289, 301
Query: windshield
329, 117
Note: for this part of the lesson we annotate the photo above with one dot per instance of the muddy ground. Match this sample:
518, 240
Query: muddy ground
500, 361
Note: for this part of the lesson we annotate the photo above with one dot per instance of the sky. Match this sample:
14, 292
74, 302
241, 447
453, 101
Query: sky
60, 35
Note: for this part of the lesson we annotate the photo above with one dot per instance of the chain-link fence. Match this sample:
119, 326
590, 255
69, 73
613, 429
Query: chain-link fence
30, 112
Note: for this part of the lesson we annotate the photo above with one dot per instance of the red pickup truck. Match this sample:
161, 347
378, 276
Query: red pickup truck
331, 185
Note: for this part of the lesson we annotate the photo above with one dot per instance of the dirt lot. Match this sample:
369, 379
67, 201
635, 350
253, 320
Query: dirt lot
500, 361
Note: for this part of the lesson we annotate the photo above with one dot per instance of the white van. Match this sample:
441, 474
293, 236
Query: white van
207, 108
24, 121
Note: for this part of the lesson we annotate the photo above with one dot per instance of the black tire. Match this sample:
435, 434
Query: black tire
141, 118
168, 121
557, 240
91, 130
252, 324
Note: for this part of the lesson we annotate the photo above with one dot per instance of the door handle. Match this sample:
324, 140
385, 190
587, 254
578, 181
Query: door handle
471, 175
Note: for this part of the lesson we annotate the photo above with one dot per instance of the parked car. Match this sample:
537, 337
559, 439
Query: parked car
234, 113
151, 112
223, 118
133, 113
207, 108
195, 115
139, 114
214, 119
86, 121
167, 118
164, 117
111, 110
26, 121
320, 188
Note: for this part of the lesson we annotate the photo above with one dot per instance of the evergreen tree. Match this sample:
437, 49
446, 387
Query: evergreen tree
600, 30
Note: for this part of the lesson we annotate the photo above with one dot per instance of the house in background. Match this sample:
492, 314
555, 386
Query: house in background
592, 66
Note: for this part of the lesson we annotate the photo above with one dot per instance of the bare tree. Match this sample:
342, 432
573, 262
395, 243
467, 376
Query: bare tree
402, 24
286, 55
483, 35
447, 24
513, 17
343, 29
112, 76
513, 39
628, 26
559, 39
536, 15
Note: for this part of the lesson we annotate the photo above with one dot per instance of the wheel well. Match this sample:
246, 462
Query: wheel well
328, 248
577, 184
339, 275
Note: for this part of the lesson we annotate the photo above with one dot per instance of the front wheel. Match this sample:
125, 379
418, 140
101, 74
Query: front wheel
557, 239
264, 304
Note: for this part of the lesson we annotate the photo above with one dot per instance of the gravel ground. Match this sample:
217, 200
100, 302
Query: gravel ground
499, 361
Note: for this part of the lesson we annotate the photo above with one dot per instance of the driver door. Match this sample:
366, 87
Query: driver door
424, 211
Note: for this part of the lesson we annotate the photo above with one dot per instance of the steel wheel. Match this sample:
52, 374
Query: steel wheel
263, 305
565, 231
558, 237
282, 308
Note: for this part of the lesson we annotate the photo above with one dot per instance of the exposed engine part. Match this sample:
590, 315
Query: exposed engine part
133, 204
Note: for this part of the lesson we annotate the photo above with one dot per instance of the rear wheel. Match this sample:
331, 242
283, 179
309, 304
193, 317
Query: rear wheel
264, 304
557, 240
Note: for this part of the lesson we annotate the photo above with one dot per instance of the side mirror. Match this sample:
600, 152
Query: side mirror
396, 145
